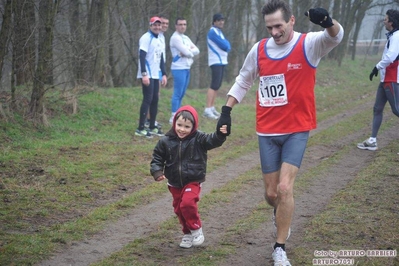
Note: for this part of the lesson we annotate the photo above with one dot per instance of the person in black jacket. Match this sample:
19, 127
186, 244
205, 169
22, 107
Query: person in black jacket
181, 157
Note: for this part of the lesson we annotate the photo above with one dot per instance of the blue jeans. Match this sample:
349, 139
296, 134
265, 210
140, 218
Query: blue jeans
181, 79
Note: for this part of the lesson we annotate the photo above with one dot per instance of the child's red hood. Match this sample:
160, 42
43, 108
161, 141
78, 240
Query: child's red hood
190, 109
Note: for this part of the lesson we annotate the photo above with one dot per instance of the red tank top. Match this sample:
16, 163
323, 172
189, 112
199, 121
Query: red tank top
285, 98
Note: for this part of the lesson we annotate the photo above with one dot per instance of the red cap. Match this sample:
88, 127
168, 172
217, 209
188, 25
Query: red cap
154, 19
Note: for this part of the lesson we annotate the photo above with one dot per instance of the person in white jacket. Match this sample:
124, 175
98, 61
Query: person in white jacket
388, 88
183, 51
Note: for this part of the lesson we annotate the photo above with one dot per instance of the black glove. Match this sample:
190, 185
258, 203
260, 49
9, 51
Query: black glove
320, 17
374, 72
225, 119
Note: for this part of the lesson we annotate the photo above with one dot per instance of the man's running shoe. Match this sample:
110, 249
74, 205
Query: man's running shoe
171, 118
280, 257
147, 124
143, 133
216, 113
210, 114
156, 131
366, 145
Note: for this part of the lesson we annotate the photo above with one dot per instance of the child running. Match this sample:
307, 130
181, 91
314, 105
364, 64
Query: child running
181, 157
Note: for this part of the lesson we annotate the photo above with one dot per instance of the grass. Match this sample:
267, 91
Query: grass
65, 182
132, 253
365, 212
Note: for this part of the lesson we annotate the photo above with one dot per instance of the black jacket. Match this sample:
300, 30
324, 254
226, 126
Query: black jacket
183, 161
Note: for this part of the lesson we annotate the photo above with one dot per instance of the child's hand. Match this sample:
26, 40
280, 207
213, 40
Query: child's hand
223, 129
160, 178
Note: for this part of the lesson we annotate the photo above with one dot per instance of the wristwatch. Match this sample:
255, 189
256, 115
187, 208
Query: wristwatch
144, 74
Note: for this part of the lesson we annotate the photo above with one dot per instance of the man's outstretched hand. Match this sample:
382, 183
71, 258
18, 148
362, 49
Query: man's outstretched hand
320, 17
225, 119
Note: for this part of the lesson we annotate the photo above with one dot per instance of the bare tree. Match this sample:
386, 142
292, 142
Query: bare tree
70, 43
350, 12
361, 12
47, 12
5, 32
23, 41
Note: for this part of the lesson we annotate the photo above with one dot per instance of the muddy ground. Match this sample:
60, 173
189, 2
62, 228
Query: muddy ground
253, 248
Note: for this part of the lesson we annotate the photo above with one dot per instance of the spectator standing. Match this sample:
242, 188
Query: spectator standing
161, 36
183, 52
388, 88
164, 28
218, 49
151, 61
285, 105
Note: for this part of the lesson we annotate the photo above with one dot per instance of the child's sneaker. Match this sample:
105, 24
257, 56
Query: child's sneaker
198, 237
156, 131
143, 133
367, 145
187, 241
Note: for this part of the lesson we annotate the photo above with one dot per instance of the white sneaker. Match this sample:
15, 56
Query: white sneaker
209, 114
187, 241
216, 113
171, 118
367, 145
198, 237
275, 228
280, 257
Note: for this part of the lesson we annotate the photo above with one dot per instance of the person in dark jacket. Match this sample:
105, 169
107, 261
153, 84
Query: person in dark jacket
181, 157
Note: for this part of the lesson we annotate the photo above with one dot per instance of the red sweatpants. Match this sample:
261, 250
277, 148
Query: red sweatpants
185, 206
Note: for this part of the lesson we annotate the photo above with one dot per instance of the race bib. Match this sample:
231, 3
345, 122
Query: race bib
272, 91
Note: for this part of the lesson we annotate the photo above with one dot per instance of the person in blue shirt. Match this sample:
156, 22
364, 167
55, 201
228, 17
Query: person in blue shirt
218, 49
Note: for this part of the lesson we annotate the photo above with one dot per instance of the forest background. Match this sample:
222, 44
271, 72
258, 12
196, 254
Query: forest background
68, 190
73, 46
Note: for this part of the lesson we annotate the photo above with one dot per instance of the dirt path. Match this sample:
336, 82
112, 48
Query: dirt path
253, 248
307, 205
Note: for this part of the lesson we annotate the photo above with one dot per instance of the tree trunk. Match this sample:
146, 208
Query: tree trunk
5, 34
47, 11
101, 68
23, 44
13, 104
111, 70
235, 26
364, 6
77, 44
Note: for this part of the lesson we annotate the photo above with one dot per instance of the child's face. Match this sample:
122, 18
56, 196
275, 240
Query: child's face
183, 127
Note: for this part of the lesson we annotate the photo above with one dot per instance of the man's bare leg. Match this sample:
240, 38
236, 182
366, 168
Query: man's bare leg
210, 98
279, 187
